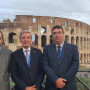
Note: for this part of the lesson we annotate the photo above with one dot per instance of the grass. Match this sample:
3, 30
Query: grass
12, 84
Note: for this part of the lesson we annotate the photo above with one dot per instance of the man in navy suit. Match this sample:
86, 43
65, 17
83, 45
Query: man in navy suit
26, 65
60, 62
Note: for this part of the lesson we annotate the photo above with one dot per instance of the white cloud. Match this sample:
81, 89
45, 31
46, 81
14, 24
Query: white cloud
73, 9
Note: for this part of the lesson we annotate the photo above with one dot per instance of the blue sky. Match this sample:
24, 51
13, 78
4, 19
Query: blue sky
72, 9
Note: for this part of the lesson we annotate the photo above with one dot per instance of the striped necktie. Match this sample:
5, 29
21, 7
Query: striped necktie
27, 56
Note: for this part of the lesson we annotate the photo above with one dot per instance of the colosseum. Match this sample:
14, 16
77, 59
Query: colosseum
76, 32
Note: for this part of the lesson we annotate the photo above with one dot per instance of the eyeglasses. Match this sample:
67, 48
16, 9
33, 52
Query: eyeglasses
54, 33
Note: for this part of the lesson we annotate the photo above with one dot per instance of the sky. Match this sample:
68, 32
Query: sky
71, 9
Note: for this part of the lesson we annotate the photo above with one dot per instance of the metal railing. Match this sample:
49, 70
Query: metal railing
85, 87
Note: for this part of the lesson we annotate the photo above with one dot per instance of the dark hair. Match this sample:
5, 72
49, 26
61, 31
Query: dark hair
58, 27
2, 34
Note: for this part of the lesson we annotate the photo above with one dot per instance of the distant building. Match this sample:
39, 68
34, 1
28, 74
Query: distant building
76, 32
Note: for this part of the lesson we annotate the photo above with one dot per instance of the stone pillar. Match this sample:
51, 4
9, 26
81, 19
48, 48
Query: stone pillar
74, 40
82, 58
48, 40
6, 38
39, 41
79, 44
18, 38
48, 34
39, 36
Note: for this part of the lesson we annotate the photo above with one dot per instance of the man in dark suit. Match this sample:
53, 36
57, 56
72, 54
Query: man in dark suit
5, 55
60, 62
26, 65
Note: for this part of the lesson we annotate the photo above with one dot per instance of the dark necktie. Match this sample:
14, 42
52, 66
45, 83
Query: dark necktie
58, 52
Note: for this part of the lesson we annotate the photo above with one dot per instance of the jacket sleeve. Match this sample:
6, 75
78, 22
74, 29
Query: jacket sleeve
71, 73
14, 74
47, 69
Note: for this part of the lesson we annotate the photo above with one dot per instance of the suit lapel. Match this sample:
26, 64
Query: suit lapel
54, 52
22, 57
32, 57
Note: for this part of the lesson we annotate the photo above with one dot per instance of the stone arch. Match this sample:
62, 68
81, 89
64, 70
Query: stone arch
81, 58
12, 37
72, 40
43, 40
51, 41
66, 23
72, 31
43, 30
81, 43
35, 39
84, 58
67, 38
84, 43
77, 41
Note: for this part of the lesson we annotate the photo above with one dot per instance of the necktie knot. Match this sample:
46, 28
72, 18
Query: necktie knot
58, 48
26, 51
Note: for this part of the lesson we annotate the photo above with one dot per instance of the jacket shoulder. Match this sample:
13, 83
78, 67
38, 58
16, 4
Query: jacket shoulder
49, 45
6, 50
17, 51
72, 46
35, 49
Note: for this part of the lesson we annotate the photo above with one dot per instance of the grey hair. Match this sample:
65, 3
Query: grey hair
2, 34
24, 31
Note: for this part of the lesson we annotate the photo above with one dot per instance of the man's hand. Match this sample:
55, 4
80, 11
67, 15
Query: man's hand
60, 83
31, 88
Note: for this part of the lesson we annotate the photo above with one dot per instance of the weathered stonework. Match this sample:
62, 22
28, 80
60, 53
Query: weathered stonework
76, 32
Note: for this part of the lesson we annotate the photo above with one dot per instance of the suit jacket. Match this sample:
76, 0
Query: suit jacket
24, 76
4, 68
66, 67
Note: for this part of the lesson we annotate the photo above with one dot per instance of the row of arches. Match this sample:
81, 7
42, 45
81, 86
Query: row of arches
43, 40
84, 58
84, 43
79, 40
72, 31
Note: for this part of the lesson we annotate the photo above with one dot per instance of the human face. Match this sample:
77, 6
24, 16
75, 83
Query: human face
1, 39
26, 40
58, 36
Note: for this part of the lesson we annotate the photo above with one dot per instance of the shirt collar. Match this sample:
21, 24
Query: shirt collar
25, 49
60, 45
